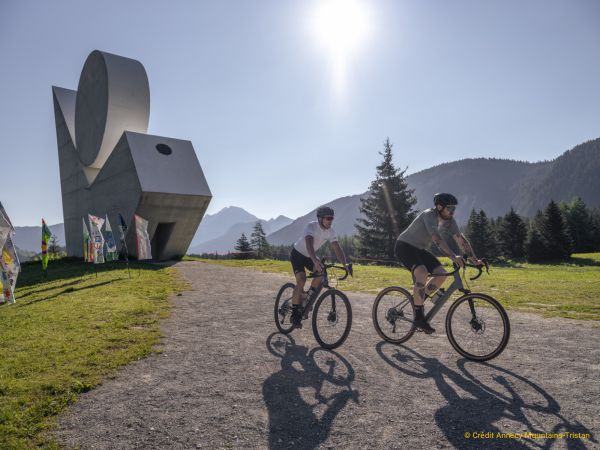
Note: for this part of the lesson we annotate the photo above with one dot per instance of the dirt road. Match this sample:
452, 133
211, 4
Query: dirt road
226, 380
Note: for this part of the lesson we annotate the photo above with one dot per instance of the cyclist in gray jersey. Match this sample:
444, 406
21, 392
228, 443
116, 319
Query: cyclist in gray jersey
432, 225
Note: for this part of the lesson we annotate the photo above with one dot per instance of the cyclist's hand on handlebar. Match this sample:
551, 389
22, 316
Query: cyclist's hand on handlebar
476, 262
349, 269
458, 260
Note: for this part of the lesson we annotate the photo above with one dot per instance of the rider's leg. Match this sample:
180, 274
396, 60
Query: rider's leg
436, 282
300, 282
420, 274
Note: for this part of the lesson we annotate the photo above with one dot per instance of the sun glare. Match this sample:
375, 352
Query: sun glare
340, 27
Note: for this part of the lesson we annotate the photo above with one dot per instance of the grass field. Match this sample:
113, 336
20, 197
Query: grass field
570, 289
67, 333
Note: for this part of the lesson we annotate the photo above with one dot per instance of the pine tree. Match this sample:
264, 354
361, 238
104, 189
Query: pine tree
387, 210
480, 234
512, 234
554, 233
53, 247
348, 244
535, 248
579, 224
595, 215
258, 241
242, 246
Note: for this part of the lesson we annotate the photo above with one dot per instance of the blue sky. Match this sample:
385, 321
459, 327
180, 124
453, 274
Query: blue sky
277, 128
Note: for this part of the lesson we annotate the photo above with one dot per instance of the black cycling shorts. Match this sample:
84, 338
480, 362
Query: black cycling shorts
411, 257
299, 262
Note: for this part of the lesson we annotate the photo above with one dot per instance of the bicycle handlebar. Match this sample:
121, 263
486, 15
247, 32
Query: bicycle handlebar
457, 268
347, 270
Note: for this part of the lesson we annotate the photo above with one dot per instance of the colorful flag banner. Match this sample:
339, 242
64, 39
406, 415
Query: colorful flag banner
111, 245
122, 233
87, 244
46, 234
144, 250
6, 228
9, 268
97, 238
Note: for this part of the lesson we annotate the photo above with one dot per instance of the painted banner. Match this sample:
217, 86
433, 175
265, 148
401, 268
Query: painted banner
6, 228
9, 268
111, 245
97, 238
46, 234
144, 250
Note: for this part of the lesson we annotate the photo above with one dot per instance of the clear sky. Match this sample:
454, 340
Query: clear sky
288, 102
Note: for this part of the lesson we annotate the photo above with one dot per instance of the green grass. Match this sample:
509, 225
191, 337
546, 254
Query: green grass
570, 289
68, 333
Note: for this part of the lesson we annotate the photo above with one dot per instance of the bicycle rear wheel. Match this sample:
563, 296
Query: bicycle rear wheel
332, 319
393, 315
478, 327
283, 308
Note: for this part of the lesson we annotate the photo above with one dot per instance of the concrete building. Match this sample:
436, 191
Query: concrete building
109, 165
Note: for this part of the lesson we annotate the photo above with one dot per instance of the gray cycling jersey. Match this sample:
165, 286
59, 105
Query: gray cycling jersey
418, 234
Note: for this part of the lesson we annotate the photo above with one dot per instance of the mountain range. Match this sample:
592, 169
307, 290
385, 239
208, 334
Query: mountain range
28, 240
219, 232
492, 185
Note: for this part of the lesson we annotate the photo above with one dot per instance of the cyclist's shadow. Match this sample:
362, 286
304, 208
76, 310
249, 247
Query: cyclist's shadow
293, 421
485, 404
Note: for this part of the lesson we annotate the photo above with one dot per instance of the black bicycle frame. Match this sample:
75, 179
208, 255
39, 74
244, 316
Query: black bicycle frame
323, 284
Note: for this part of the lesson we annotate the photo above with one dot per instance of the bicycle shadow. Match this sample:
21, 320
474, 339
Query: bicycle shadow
482, 405
298, 420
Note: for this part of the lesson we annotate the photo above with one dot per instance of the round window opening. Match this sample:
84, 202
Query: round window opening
164, 149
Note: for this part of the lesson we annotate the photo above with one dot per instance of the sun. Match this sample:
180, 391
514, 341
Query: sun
340, 26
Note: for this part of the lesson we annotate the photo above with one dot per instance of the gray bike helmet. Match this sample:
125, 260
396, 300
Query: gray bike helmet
444, 199
323, 211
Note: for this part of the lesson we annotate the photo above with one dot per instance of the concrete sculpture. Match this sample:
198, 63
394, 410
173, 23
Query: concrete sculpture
109, 165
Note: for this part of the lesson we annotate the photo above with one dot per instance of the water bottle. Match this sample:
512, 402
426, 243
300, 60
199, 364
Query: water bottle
437, 296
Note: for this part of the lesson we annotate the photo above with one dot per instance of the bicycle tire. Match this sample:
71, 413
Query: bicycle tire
481, 326
383, 329
331, 318
286, 309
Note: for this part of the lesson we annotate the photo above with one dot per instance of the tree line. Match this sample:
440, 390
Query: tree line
552, 234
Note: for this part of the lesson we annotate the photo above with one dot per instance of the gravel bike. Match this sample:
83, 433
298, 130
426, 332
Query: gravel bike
477, 325
332, 315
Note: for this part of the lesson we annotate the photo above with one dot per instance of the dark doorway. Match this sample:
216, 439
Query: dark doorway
161, 238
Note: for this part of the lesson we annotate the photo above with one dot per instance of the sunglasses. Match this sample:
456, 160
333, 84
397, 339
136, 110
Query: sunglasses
330, 218
451, 208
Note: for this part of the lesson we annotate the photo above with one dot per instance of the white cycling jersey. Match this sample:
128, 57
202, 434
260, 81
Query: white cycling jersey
320, 236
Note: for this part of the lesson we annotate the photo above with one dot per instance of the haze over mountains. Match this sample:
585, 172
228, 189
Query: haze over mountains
219, 232
493, 185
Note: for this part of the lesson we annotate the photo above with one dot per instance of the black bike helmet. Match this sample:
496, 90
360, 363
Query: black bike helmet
444, 199
323, 211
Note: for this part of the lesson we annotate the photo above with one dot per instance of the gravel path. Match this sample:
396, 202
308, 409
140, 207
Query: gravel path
227, 380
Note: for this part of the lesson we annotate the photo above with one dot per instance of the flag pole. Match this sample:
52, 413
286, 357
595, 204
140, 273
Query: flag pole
123, 230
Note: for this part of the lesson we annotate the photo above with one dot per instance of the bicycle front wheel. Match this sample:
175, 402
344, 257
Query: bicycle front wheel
477, 326
332, 319
283, 308
393, 315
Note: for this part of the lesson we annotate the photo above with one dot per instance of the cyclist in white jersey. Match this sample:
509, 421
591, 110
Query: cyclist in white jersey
303, 256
